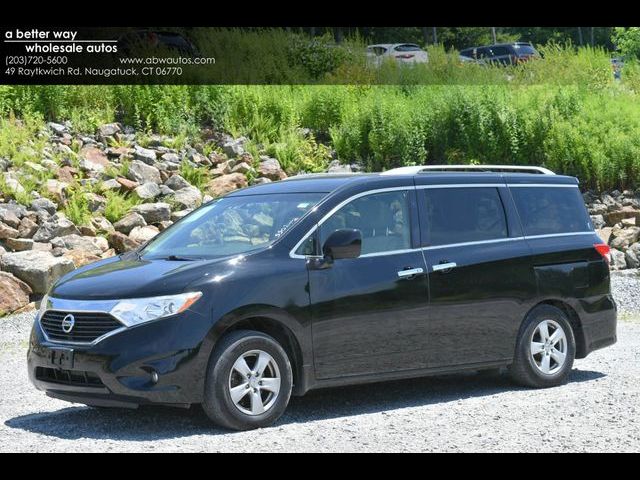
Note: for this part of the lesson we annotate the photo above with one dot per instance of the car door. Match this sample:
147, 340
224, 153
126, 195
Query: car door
480, 276
369, 313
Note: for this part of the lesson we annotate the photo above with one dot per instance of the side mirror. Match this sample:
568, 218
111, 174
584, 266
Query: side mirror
344, 243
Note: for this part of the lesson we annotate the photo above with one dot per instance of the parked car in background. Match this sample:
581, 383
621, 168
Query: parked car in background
503, 53
404, 53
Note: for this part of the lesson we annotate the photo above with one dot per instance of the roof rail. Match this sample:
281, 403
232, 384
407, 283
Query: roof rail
322, 175
462, 168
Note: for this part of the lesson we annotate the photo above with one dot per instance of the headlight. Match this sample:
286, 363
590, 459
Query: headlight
43, 306
139, 310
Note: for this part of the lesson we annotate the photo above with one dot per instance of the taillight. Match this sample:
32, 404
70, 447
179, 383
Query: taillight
406, 56
604, 250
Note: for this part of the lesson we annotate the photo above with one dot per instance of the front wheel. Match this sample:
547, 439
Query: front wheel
249, 381
545, 349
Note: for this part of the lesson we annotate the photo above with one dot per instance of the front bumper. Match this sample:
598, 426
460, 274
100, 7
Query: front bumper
121, 370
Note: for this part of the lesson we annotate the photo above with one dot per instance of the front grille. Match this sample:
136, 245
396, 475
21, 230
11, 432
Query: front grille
75, 378
87, 327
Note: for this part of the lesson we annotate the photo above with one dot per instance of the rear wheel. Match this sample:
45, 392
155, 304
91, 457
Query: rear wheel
248, 382
545, 349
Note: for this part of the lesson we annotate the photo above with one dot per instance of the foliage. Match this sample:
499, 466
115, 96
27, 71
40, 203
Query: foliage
118, 205
627, 39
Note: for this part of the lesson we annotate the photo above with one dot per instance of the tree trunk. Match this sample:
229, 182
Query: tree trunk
580, 39
337, 34
425, 35
435, 35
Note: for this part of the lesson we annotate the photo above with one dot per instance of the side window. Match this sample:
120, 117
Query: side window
382, 218
549, 210
458, 215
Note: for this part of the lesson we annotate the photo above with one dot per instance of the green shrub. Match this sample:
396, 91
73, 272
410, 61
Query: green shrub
118, 205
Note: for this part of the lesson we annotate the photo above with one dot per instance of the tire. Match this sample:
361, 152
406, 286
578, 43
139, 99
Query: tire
224, 374
534, 370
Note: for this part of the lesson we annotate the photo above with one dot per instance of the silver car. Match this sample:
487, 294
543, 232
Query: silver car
403, 53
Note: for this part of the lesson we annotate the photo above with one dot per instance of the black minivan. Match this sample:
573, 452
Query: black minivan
327, 280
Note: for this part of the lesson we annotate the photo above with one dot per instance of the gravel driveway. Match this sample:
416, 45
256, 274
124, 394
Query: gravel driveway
598, 410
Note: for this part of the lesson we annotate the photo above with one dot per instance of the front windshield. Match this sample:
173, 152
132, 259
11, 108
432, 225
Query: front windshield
232, 225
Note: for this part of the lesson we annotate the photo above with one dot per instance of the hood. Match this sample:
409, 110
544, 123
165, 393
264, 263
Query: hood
129, 276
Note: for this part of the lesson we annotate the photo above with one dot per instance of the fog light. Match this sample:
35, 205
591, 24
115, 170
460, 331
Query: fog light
154, 377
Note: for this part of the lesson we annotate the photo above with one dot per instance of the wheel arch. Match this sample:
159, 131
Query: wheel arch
288, 331
574, 321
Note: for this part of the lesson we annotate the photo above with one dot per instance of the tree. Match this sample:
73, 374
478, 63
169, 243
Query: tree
627, 39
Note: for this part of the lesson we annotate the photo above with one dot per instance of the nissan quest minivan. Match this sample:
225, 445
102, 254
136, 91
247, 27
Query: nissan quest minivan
328, 280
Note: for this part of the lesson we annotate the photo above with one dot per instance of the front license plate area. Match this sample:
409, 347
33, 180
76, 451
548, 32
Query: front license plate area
61, 357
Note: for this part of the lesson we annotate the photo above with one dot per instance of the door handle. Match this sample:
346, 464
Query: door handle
443, 267
410, 272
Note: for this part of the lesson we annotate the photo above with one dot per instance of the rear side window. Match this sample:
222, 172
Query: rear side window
550, 210
458, 215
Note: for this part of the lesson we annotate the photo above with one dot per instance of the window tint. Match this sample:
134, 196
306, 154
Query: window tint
383, 219
499, 51
547, 210
457, 215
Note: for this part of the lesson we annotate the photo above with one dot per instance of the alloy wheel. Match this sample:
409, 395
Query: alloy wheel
254, 382
549, 347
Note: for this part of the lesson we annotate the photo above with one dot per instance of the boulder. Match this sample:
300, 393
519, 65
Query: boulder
129, 222
108, 130
616, 217
242, 167
101, 224
9, 218
143, 173
95, 202
170, 158
67, 174
226, 183
176, 182
122, 243
93, 245
623, 237
80, 258
618, 260
93, 159
15, 293
271, 169
45, 204
144, 154
598, 221
27, 228
148, 191
57, 128
38, 269
153, 212
632, 256
56, 226
234, 147
7, 232
19, 244
189, 197
605, 234
143, 234
128, 185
